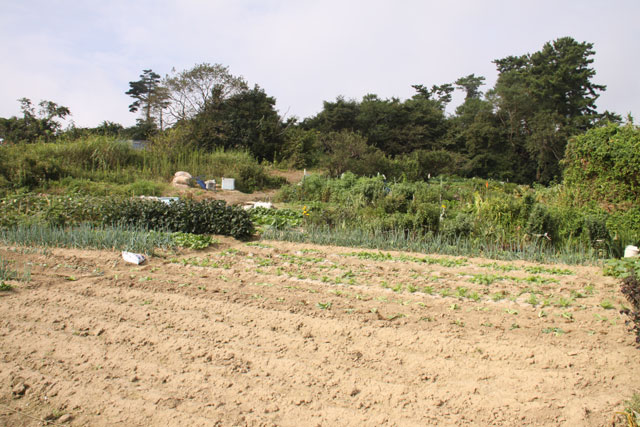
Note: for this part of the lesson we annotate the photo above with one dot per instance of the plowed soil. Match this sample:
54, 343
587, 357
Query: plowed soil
272, 333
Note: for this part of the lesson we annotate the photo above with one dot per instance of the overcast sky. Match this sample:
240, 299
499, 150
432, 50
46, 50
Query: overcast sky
83, 53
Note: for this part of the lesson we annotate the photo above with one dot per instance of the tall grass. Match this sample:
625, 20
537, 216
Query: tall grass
104, 159
458, 246
87, 237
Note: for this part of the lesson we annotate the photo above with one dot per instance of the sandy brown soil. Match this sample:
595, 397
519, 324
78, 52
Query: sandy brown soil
284, 334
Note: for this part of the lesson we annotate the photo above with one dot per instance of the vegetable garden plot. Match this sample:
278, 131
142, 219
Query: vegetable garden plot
289, 334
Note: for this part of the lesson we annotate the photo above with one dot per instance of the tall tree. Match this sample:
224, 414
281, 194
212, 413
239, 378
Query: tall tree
151, 98
191, 90
441, 94
245, 120
471, 85
546, 97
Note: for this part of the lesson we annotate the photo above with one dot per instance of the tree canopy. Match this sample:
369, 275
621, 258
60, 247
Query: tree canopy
32, 126
517, 130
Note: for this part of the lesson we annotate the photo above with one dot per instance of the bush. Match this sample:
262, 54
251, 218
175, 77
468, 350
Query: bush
426, 217
252, 176
603, 164
540, 222
206, 217
32, 172
460, 226
596, 227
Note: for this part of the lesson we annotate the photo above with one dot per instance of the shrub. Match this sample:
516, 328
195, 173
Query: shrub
205, 217
32, 172
426, 217
596, 227
540, 222
460, 226
602, 164
252, 176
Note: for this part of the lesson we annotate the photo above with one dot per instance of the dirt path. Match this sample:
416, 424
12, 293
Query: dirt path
276, 333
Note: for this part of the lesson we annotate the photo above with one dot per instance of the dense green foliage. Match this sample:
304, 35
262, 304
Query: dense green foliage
33, 126
277, 218
544, 98
603, 164
393, 167
517, 131
496, 213
103, 165
206, 217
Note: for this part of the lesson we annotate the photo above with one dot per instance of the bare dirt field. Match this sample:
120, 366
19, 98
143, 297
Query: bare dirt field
270, 333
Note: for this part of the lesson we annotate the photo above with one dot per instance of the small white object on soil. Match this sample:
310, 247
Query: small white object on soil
133, 258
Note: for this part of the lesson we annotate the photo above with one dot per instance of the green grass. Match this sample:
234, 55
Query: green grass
105, 166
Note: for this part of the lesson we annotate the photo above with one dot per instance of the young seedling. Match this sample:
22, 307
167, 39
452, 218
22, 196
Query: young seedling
461, 292
445, 292
563, 302
607, 305
428, 290
533, 300
555, 331
499, 296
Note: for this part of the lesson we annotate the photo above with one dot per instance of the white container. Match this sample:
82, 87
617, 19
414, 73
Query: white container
228, 184
211, 184
631, 251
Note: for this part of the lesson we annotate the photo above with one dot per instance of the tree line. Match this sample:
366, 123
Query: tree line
516, 130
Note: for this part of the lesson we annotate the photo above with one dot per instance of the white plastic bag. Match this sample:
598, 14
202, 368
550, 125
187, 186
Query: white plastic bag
133, 258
